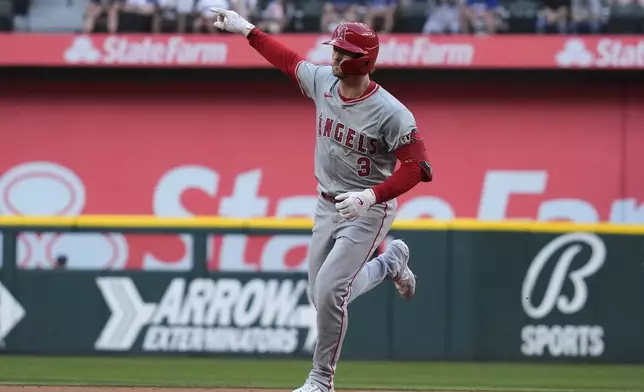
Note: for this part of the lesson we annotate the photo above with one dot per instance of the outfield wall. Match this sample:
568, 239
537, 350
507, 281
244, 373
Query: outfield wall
540, 146
500, 149
487, 291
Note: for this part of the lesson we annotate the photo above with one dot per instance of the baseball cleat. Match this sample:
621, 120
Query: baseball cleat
308, 387
404, 278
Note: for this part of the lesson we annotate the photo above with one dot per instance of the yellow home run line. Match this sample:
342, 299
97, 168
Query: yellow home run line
215, 222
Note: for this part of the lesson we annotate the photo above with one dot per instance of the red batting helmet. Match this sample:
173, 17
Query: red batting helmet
356, 38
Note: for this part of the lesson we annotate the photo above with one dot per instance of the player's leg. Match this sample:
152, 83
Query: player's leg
321, 241
355, 243
392, 264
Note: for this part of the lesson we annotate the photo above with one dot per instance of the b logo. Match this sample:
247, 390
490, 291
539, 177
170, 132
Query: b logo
553, 295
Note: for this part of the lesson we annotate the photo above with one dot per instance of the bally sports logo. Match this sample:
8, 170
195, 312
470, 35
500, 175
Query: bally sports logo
206, 315
146, 50
563, 340
607, 53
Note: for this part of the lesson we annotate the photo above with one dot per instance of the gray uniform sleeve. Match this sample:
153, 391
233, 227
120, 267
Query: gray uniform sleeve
306, 74
397, 129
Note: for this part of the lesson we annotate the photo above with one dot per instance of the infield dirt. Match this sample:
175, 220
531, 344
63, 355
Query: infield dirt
49, 388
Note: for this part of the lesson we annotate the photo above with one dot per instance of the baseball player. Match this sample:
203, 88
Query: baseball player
361, 133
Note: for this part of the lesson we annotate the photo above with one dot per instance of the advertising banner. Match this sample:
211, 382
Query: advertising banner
565, 296
396, 51
482, 295
80, 313
174, 151
162, 313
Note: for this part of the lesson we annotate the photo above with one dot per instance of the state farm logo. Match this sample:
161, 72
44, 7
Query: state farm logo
50, 189
148, 50
420, 51
574, 53
563, 340
82, 51
606, 53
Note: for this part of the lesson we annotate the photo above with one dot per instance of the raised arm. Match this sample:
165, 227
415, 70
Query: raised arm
277, 54
283, 58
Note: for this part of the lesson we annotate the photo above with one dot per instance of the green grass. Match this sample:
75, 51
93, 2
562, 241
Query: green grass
289, 374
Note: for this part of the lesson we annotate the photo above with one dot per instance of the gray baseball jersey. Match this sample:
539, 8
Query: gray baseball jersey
355, 139
354, 148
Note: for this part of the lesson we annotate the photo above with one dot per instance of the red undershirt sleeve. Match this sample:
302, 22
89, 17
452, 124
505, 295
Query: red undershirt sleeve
414, 168
277, 54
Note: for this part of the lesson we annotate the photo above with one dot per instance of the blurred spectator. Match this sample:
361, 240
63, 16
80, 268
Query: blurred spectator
246, 8
553, 15
585, 16
385, 16
179, 10
480, 16
626, 17
444, 17
336, 12
272, 19
136, 7
205, 17
20, 7
382, 11
96, 7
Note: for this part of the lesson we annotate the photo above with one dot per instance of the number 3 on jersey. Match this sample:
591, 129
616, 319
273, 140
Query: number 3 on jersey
364, 166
